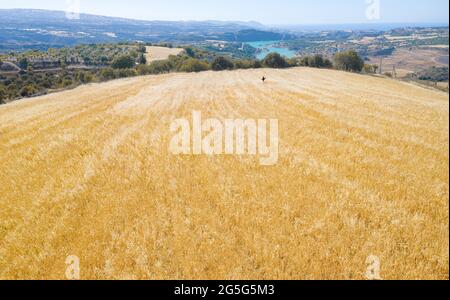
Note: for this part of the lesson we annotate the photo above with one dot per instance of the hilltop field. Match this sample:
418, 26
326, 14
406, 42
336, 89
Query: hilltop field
155, 53
362, 172
407, 61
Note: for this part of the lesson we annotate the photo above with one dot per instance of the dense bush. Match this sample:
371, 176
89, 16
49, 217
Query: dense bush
436, 74
370, 69
316, 61
161, 66
247, 64
275, 60
123, 62
141, 48
194, 65
67, 82
23, 63
189, 52
83, 77
123, 73
222, 63
107, 74
2, 95
348, 61
28, 90
142, 59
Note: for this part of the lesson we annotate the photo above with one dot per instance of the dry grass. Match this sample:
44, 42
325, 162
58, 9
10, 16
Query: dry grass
412, 60
363, 170
160, 53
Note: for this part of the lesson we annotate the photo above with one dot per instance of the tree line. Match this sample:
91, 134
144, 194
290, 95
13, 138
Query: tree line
30, 83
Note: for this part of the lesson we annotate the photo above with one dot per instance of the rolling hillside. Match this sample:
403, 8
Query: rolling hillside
362, 171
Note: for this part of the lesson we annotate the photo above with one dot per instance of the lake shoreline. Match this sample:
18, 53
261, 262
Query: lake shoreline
266, 47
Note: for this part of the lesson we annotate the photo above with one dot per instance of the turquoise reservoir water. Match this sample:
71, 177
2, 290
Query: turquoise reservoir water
267, 47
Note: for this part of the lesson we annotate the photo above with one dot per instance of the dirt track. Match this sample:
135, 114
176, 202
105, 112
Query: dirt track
363, 170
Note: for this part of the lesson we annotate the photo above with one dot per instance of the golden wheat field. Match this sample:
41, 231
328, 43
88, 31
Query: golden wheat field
362, 171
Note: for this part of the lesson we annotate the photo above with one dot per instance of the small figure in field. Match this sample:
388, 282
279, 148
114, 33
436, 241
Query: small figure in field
264, 79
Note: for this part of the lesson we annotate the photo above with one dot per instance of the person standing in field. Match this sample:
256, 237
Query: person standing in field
264, 78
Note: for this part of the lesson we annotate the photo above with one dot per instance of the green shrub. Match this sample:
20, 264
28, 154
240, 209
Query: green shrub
304, 61
436, 74
142, 59
348, 61
67, 82
275, 60
123, 62
28, 90
143, 69
2, 95
107, 74
134, 54
47, 83
315, 61
257, 64
83, 77
123, 73
160, 67
222, 63
247, 64
189, 52
194, 65
293, 62
142, 48
370, 69
23, 63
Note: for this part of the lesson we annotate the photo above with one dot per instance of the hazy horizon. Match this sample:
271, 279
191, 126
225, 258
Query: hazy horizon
271, 13
281, 25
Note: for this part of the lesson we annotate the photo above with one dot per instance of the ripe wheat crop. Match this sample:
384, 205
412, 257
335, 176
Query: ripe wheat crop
362, 171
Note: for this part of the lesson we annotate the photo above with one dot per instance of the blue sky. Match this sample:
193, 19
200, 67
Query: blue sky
265, 11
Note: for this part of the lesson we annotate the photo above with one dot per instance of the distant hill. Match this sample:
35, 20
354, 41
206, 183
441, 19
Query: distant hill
22, 29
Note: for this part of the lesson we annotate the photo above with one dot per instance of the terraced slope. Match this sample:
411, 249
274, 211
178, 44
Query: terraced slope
363, 170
